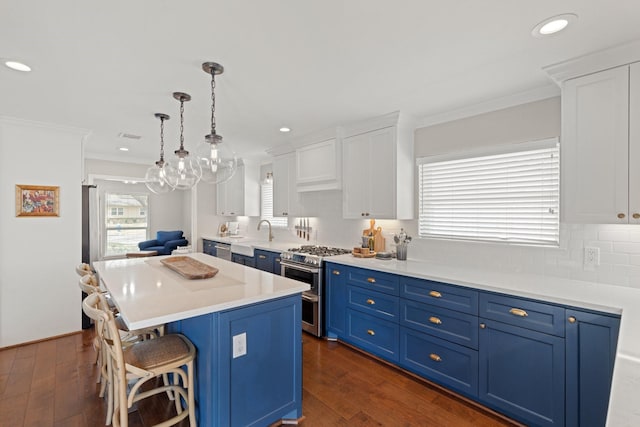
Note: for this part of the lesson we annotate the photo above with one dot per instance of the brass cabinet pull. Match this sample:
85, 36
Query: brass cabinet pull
571, 319
371, 280
621, 215
277, 260
336, 272
518, 312
482, 326
262, 256
370, 301
435, 357
435, 320
435, 294
371, 332
636, 215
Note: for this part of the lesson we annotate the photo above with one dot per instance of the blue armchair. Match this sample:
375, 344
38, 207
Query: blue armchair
164, 243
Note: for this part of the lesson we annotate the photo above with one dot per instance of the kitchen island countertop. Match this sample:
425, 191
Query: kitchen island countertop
147, 293
625, 387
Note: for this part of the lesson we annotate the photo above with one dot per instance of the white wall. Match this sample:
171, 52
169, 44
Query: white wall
39, 295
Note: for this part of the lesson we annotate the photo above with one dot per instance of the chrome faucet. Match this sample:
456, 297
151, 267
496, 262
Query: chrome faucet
269, 224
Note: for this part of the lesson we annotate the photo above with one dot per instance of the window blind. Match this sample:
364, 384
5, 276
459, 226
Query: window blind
499, 196
266, 207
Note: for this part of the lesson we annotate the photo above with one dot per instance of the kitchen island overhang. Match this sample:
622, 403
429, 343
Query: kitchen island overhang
245, 324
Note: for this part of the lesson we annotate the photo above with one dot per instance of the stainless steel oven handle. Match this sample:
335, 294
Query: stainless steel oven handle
310, 298
299, 267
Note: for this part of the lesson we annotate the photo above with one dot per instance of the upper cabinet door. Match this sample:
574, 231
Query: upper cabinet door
595, 148
356, 176
285, 197
318, 166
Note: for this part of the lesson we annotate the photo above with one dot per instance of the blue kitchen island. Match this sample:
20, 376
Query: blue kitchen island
245, 324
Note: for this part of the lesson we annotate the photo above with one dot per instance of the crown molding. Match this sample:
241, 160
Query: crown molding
533, 95
593, 62
43, 125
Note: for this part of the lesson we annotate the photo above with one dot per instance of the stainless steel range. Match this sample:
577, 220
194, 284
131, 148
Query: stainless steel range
305, 264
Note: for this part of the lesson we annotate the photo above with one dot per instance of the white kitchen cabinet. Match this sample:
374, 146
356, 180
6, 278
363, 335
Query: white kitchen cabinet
318, 166
600, 152
240, 196
286, 200
378, 170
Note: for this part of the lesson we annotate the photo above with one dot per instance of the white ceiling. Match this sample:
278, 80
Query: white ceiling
107, 66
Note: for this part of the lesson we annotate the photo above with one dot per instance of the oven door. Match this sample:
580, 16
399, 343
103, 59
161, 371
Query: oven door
309, 275
311, 313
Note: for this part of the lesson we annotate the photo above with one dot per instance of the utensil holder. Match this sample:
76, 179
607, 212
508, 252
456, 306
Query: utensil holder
401, 252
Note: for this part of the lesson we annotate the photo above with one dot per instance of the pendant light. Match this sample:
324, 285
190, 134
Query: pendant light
155, 179
183, 171
217, 162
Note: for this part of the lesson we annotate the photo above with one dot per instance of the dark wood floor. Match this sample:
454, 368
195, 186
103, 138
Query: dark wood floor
53, 383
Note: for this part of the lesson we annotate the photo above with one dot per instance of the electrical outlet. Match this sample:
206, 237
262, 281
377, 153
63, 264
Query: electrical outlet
239, 345
591, 258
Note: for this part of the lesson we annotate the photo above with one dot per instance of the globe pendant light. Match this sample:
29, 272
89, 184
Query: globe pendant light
183, 171
218, 162
155, 179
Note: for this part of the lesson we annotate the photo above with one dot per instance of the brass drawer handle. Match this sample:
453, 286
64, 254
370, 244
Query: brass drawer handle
435, 357
518, 312
636, 215
370, 301
277, 259
435, 294
371, 332
483, 325
262, 256
621, 215
336, 272
371, 280
571, 319
435, 320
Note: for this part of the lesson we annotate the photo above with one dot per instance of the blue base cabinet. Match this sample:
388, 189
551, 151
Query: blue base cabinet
258, 388
522, 373
249, 261
267, 261
540, 363
591, 349
209, 247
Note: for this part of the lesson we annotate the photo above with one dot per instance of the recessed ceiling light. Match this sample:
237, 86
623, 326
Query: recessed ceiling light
18, 66
285, 129
553, 25
123, 149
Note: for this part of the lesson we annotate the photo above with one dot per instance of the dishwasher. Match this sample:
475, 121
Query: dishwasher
223, 250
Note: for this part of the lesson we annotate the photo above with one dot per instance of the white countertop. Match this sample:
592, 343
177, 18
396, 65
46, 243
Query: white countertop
147, 293
624, 408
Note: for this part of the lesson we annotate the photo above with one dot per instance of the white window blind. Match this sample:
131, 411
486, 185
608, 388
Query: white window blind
499, 196
266, 207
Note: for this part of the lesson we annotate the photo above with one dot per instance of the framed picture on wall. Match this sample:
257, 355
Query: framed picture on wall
37, 200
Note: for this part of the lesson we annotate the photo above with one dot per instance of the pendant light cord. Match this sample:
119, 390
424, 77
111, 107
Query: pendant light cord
181, 124
213, 103
162, 140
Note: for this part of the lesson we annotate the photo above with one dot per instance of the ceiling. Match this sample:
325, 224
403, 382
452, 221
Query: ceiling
310, 65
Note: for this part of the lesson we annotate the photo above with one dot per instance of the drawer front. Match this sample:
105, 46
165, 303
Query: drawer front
370, 333
383, 282
374, 303
439, 360
537, 316
460, 328
209, 247
440, 294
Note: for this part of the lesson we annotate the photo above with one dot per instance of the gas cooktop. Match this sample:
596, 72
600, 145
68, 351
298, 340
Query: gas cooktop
321, 251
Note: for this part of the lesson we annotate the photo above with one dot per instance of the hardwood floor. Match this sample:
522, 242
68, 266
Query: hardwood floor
53, 383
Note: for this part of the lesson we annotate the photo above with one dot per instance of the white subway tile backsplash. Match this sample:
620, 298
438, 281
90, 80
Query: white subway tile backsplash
627, 247
634, 259
614, 235
613, 258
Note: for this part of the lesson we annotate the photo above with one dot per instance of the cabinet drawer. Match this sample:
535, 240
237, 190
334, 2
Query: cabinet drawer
383, 282
451, 325
378, 336
440, 294
375, 303
447, 363
528, 314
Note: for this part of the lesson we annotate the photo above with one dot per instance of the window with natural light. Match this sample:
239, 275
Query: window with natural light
266, 206
508, 195
126, 223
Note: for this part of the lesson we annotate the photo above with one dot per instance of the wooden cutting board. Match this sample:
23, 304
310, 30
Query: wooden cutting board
189, 268
378, 241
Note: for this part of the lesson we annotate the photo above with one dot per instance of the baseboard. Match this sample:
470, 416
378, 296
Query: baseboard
40, 340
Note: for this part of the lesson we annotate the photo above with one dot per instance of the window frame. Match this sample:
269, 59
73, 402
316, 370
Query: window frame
278, 221
105, 219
